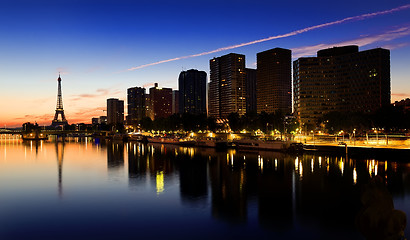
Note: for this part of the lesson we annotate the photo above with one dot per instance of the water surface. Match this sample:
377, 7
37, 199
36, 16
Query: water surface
103, 190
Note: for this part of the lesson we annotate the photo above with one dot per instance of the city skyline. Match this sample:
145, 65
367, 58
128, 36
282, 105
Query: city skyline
94, 45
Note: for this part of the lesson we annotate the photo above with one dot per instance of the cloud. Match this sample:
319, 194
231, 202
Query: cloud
395, 46
62, 71
44, 119
148, 85
93, 69
297, 32
99, 93
362, 41
84, 115
400, 94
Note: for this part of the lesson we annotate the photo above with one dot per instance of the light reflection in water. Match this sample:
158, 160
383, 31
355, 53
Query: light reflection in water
297, 164
327, 165
312, 165
375, 169
276, 164
354, 176
256, 195
160, 182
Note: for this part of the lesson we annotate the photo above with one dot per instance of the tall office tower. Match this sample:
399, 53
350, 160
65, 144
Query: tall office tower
341, 79
227, 90
136, 105
192, 92
161, 102
274, 81
250, 90
115, 111
148, 112
175, 101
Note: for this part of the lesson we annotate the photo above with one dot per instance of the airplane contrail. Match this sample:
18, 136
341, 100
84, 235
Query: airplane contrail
293, 33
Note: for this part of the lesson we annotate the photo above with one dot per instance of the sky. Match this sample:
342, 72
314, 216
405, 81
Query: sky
103, 47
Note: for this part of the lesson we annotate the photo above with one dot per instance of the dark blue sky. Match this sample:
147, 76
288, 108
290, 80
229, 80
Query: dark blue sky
93, 43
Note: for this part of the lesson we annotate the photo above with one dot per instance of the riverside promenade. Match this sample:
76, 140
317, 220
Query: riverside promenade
392, 147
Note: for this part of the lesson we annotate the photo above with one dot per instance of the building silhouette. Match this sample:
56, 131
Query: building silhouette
227, 91
94, 121
136, 105
148, 111
250, 90
115, 111
341, 79
192, 92
175, 101
160, 102
273, 81
404, 104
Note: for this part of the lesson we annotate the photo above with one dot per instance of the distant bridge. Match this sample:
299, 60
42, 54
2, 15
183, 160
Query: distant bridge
9, 131
74, 133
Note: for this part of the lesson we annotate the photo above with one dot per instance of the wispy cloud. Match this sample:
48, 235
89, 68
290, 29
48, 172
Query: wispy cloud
146, 85
99, 93
44, 119
395, 46
93, 69
297, 32
362, 41
85, 114
400, 94
62, 71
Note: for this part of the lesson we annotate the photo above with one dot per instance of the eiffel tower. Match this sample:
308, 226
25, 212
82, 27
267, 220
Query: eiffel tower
59, 109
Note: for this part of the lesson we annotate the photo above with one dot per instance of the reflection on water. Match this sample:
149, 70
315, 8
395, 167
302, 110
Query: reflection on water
60, 156
266, 194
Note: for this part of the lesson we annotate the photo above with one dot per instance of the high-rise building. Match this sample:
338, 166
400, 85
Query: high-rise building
102, 120
341, 79
250, 90
94, 121
227, 89
148, 106
192, 92
115, 111
274, 81
136, 105
175, 101
161, 102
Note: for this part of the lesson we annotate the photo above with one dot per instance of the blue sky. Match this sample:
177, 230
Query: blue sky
94, 43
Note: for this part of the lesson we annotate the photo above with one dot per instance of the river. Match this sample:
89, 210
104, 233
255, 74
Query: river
87, 189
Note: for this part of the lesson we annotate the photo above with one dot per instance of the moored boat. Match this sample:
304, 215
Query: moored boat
206, 143
163, 140
187, 142
257, 144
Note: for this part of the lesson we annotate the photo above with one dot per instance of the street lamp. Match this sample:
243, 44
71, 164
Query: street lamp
313, 137
354, 136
